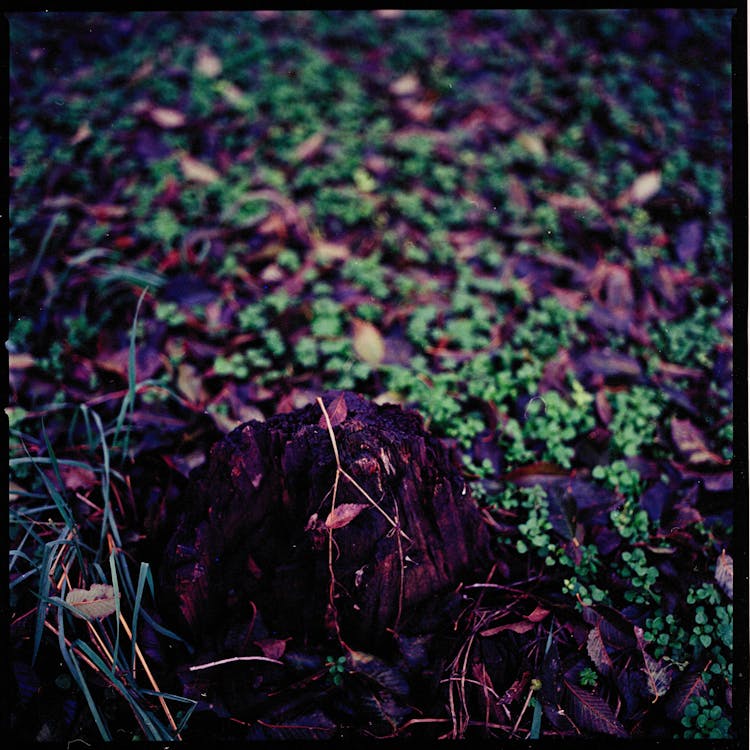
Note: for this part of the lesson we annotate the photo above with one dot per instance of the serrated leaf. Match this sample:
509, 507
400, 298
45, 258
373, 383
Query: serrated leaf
659, 673
97, 601
344, 514
591, 712
390, 678
685, 687
597, 651
724, 574
368, 342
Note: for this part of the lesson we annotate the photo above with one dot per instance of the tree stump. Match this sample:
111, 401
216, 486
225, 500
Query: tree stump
273, 524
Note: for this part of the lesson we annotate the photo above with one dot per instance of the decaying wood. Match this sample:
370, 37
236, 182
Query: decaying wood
261, 533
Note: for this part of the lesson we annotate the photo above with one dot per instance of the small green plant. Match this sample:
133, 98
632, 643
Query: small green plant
690, 341
548, 327
555, 423
588, 677
636, 414
336, 669
704, 720
640, 575
170, 313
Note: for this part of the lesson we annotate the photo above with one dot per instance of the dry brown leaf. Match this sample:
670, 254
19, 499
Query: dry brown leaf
532, 143
233, 95
724, 574
336, 412
644, 187
344, 514
368, 342
406, 85
198, 171
207, 62
327, 253
190, 384
167, 118
20, 361
84, 131
309, 147
692, 444
97, 601
77, 477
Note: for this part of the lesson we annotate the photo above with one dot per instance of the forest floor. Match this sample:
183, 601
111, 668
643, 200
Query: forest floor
517, 223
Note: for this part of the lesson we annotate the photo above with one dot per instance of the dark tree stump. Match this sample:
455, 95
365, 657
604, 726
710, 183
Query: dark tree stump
250, 536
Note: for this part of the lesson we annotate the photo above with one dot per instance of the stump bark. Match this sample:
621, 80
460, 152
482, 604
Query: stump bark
258, 532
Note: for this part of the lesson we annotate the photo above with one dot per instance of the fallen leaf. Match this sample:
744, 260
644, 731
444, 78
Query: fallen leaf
532, 143
572, 202
167, 118
520, 626
406, 85
309, 147
368, 342
77, 477
84, 131
644, 187
207, 62
20, 361
198, 171
724, 574
107, 211
327, 253
691, 443
336, 412
659, 672
344, 514
97, 601
590, 711
272, 648
234, 95
189, 383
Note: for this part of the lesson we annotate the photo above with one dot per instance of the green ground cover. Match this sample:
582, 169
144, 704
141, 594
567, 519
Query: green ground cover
518, 223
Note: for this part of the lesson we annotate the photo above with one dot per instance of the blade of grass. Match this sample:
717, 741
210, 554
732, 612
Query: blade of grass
152, 727
179, 699
76, 672
56, 219
144, 575
116, 590
536, 721
128, 403
45, 581
53, 492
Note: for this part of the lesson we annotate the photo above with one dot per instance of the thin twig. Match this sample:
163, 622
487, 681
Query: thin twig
210, 664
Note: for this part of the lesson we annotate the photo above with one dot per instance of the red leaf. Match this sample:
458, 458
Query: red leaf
592, 712
597, 651
336, 412
685, 687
